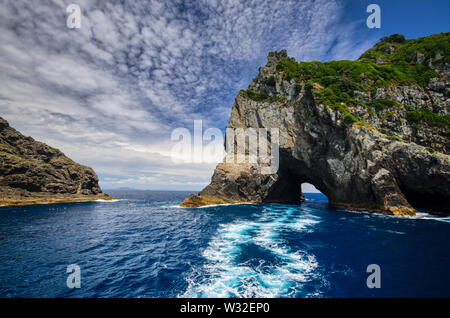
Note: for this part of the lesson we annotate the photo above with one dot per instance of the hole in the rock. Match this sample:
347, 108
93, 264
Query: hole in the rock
309, 188
311, 192
290, 189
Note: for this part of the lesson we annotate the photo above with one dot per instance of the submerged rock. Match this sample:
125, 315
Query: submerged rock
32, 172
370, 137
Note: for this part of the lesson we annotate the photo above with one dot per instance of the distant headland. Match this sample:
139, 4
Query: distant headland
32, 172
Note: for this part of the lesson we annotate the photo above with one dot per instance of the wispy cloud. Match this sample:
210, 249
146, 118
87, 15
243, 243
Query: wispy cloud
110, 93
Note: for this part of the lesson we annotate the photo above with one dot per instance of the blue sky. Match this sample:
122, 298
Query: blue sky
109, 94
413, 18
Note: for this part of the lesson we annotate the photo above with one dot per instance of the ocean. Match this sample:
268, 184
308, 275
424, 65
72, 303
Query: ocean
147, 246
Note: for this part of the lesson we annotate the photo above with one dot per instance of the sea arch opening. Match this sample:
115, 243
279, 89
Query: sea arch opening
291, 187
309, 190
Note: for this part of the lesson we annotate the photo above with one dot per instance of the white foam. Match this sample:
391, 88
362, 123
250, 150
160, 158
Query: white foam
222, 204
58, 202
427, 216
418, 216
223, 276
214, 205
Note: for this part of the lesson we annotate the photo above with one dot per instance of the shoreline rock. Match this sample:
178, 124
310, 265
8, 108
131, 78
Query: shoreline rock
196, 201
56, 200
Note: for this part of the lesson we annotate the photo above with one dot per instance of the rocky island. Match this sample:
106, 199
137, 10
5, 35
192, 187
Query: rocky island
32, 172
371, 134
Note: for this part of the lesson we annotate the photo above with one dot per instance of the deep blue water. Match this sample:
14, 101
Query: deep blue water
145, 246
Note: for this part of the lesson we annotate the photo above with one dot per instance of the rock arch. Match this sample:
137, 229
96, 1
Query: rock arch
354, 164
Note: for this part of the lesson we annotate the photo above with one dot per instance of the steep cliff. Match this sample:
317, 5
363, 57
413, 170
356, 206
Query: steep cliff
33, 172
371, 134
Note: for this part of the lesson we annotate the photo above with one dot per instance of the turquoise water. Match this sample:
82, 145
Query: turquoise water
147, 246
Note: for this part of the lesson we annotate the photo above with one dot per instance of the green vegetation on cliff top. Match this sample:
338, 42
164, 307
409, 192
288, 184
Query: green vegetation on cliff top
393, 61
397, 65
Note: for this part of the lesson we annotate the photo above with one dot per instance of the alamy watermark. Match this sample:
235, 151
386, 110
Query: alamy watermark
258, 146
74, 277
374, 19
374, 279
74, 16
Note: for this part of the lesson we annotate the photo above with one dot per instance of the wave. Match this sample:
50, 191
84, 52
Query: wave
114, 200
418, 216
228, 273
215, 205
428, 216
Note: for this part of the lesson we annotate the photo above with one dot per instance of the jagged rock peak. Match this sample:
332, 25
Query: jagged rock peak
274, 58
3, 123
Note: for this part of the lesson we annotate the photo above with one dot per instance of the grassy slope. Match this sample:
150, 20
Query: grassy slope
339, 80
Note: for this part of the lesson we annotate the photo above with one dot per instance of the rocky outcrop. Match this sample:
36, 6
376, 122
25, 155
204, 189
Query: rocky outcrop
370, 136
33, 172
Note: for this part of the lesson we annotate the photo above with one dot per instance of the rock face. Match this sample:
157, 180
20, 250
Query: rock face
371, 134
33, 172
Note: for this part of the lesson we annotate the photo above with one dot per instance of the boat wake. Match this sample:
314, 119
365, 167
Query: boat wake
251, 258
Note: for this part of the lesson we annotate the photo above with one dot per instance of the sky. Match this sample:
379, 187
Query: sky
110, 93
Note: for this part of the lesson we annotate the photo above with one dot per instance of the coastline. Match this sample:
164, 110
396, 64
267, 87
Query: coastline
197, 201
55, 200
